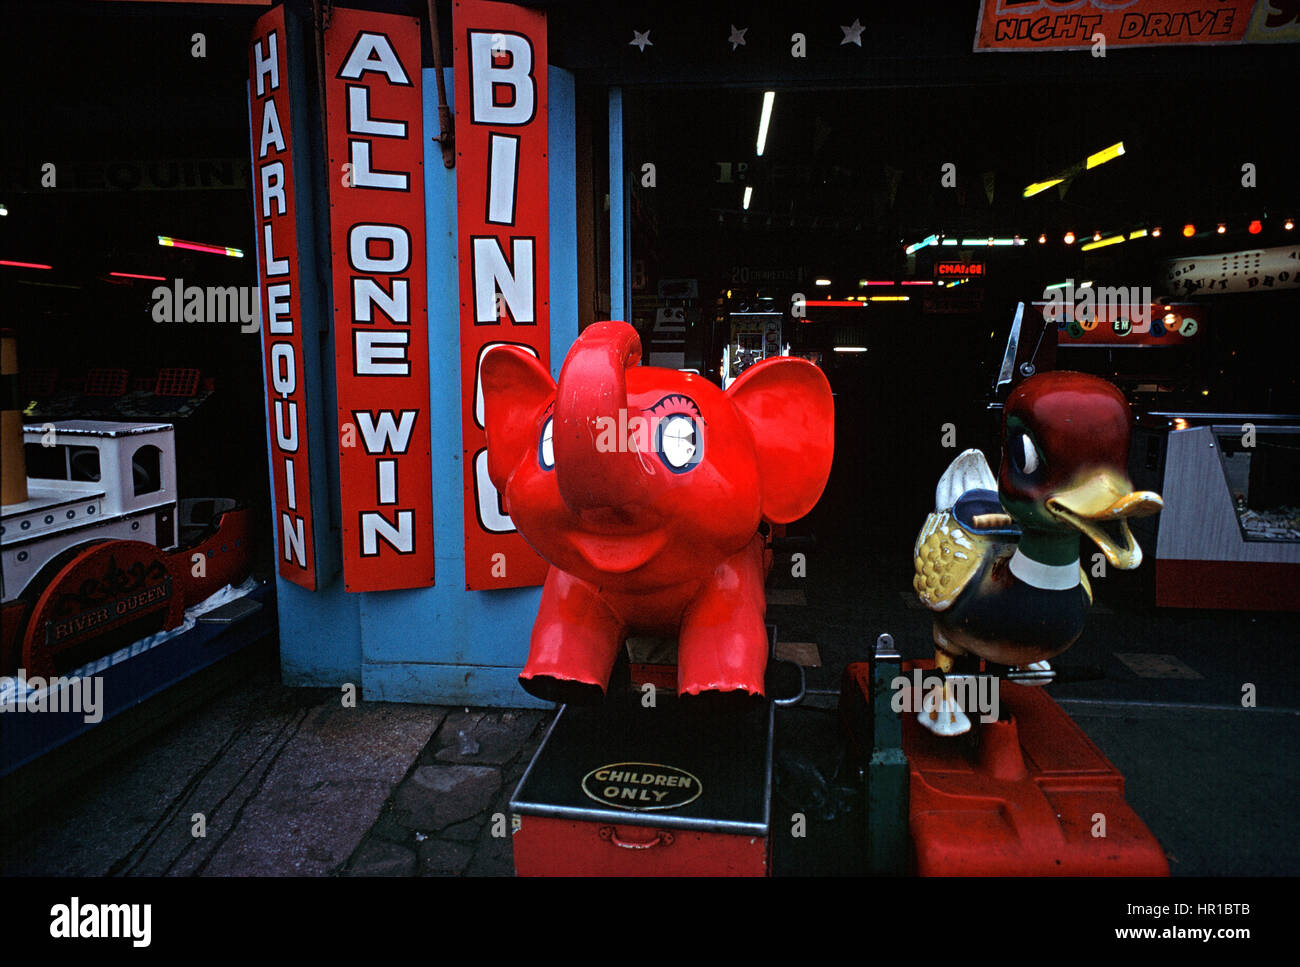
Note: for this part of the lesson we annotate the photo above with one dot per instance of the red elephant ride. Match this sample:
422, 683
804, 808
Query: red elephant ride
644, 489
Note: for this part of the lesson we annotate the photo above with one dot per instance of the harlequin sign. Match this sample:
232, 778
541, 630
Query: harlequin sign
641, 786
502, 208
279, 277
381, 343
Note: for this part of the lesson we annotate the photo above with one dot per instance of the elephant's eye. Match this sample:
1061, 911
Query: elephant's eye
546, 449
678, 443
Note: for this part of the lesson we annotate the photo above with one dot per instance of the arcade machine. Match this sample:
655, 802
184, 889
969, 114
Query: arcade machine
755, 334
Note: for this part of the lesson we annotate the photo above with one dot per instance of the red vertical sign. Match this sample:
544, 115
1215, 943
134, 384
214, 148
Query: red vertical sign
501, 189
279, 278
374, 134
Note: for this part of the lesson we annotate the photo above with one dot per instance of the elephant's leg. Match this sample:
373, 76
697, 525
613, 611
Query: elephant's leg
575, 640
723, 644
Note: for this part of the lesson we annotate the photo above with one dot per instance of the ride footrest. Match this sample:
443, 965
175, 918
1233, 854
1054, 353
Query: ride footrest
1026, 795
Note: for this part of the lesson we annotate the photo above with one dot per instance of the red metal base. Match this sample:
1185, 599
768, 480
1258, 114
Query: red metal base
562, 847
1026, 797
1231, 585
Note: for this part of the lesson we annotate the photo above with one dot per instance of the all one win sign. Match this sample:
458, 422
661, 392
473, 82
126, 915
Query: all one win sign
374, 136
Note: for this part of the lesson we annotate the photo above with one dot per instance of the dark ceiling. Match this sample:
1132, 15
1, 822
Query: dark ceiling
116, 81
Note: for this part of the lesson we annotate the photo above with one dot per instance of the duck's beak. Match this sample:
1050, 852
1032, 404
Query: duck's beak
1099, 506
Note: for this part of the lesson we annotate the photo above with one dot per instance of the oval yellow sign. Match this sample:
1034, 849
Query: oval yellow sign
641, 786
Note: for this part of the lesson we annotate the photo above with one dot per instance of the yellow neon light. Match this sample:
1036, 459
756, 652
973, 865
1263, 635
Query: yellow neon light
1038, 186
1106, 154
1113, 240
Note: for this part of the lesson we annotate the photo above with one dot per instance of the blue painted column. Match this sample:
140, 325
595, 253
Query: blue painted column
320, 640
620, 248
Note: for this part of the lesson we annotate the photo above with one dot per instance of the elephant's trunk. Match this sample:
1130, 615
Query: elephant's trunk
596, 465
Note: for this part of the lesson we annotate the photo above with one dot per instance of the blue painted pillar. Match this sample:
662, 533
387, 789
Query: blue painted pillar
620, 232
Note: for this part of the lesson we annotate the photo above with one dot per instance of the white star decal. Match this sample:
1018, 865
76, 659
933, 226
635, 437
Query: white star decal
640, 40
737, 38
853, 33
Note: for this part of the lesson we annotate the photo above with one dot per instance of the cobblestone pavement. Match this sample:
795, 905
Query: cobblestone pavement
450, 816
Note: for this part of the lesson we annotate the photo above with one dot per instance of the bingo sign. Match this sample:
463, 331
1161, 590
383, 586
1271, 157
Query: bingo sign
501, 188
374, 134
279, 277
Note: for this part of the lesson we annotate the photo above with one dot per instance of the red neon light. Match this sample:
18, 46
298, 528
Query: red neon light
168, 242
834, 303
878, 283
917, 282
132, 275
26, 265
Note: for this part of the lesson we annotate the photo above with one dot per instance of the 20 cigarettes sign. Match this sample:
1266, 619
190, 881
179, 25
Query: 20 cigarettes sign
374, 134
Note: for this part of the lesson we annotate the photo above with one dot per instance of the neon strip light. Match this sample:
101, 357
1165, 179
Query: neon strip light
1113, 240
764, 120
1040, 186
132, 275
169, 242
1105, 154
26, 265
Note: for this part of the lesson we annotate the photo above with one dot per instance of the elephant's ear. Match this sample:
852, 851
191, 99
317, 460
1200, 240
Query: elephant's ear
516, 388
788, 405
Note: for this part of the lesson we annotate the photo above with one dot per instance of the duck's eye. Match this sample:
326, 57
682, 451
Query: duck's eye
546, 449
1026, 455
677, 443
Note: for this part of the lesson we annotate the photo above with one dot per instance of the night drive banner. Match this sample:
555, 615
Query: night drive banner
374, 135
502, 210
279, 277
1073, 25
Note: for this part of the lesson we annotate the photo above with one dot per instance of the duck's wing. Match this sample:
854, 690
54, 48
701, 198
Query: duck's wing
946, 558
969, 471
